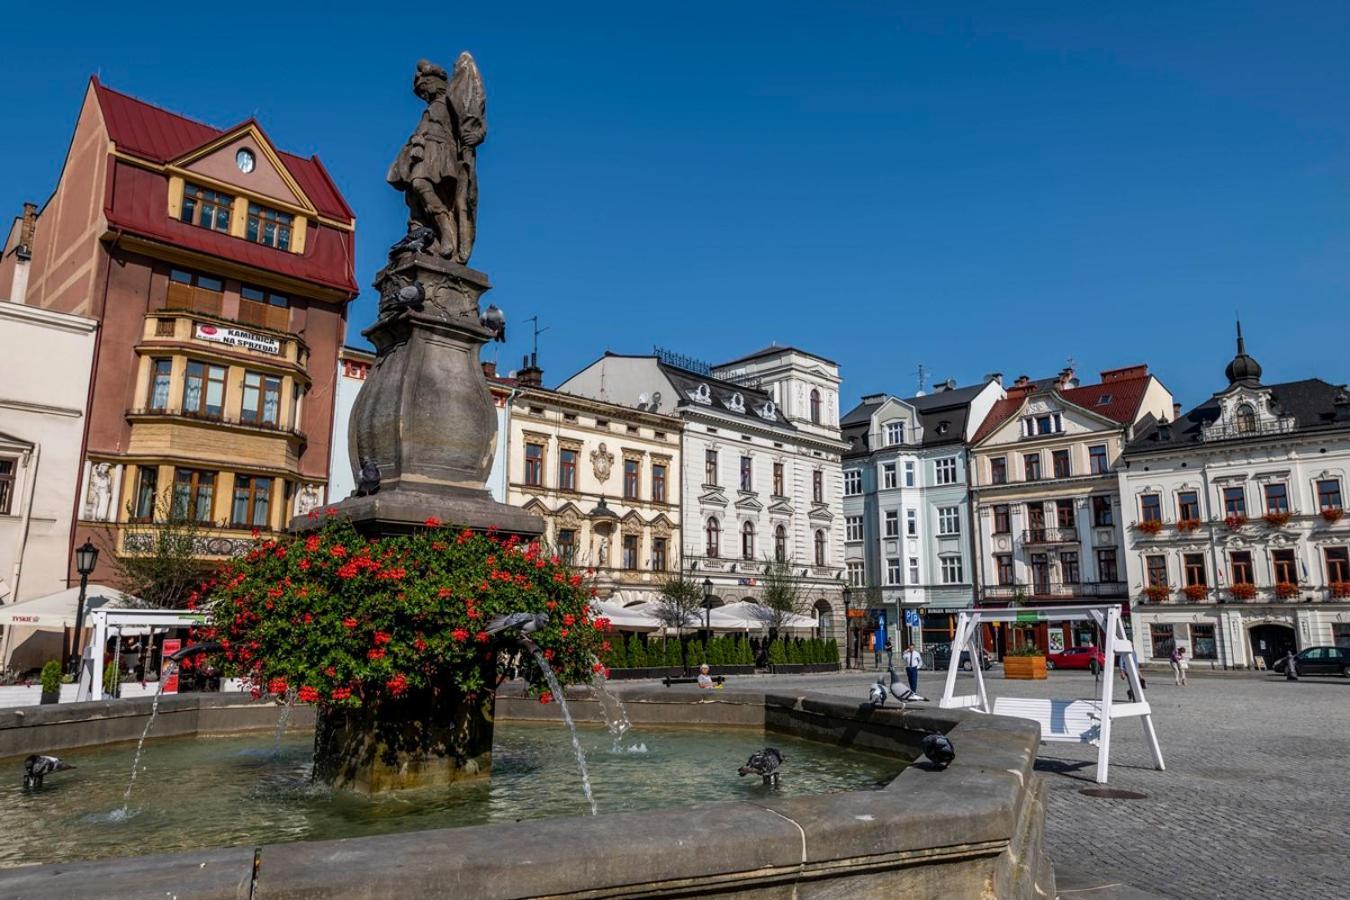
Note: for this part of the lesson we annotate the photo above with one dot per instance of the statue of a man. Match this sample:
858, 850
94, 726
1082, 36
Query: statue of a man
437, 168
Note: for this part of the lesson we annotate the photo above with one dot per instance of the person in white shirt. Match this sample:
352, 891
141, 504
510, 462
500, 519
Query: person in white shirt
913, 660
705, 681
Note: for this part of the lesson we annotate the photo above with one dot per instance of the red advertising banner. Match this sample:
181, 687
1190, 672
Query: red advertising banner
171, 645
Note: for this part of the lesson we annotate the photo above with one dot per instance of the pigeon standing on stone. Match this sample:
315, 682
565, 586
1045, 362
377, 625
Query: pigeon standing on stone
494, 320
36, 768
938, 749
900, 690
419, 240
368, 481
413, 296
876, 694
764, 763
528, 623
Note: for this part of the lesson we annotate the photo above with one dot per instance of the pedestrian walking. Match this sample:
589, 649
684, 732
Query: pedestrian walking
913, 660
890, 654
1290, 666
1179, 666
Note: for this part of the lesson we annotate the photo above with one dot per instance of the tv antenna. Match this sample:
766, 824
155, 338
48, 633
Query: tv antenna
923, 377
534, 350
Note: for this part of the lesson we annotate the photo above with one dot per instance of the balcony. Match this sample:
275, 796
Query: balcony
1052, 535
228, 421
194, 299
1054, 590
1228, 431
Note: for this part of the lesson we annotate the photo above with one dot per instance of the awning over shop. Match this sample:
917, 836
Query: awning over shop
57, 611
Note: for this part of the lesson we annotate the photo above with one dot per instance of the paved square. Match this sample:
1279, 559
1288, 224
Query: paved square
1255, 801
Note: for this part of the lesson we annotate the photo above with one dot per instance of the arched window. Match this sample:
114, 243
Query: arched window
714, 535
824, 620
780, 544
748, 540
820, 548
1246, 419
815, 406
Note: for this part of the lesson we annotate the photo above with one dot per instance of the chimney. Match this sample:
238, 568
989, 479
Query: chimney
1065, 379
489, 368
27, 231
994, 376
1022, 381
529, 374
1176, 411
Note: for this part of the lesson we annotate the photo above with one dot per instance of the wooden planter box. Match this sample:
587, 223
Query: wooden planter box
1024, 667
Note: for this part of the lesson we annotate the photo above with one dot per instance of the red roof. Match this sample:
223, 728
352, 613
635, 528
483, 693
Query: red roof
1122, 390
137, 199
155, 134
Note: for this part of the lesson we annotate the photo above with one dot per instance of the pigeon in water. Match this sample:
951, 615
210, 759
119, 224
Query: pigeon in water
419, 240
36, 768
494, 320
368, 481
764, 763
939, 750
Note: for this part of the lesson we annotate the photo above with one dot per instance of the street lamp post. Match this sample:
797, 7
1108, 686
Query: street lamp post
707, 606
86, 557
848, 628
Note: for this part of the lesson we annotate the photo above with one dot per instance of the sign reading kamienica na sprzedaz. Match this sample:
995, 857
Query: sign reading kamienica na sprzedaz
237, 337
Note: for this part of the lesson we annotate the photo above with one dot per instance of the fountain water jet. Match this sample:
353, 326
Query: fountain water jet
557, 689
140, 745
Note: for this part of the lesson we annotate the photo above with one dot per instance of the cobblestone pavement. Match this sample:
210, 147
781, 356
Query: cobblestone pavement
1255, 801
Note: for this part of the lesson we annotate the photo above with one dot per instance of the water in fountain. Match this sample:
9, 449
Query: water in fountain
567, 717
616, 717
140, 745
288, 704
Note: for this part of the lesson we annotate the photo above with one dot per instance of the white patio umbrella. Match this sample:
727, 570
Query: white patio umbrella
754, 617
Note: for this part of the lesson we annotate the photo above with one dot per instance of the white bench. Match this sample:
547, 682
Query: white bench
1077, 721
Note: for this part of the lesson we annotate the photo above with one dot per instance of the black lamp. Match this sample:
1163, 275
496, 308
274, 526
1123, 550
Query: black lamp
707, 605
848, 627
86, 557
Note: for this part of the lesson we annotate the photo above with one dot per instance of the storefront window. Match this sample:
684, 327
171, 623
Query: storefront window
1162, 640
1202, 642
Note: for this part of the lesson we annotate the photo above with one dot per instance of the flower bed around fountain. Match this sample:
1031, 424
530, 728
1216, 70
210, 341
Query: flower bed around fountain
394, 639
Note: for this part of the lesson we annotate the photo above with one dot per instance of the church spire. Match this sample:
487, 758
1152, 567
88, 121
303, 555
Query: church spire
1243, 368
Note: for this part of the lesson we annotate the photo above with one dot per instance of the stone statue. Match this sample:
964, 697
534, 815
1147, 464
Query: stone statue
99, 503
436, 169
309, 499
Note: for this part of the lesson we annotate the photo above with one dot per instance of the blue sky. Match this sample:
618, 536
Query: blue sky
961, 185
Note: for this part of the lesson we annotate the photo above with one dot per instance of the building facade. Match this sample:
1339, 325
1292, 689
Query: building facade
907, 523
760, 474
1046, 495
1238, 545
605, 479
219, 269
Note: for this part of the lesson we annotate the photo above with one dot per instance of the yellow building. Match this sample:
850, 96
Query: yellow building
606, 480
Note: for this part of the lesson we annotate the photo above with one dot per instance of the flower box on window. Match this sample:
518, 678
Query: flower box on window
1235, 522
1243, 591
1276, 519
1150, 526
1332, 514
1340, 589
1187, 525
1196, 592
1286, 590
1158, 593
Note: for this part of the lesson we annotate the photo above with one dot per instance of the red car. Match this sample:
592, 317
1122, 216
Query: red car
1077, 658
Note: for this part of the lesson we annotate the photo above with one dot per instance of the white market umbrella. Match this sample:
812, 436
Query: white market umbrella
58, 610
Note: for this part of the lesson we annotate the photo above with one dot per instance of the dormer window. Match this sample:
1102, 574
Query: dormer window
702, 394
206, 208
767, 410
268, 226
895, 433
1246, 419
736, 403
1103, 399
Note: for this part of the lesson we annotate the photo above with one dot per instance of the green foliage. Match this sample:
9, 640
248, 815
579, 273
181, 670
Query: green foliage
698, 654
674, 659
777, 653
637, 653
617, 658
166, 567
110, 674
831, 651
347, 620
679, 604
1026, 650
51, 677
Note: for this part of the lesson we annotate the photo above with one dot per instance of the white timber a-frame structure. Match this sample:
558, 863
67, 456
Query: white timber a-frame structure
118, 621
1075, 720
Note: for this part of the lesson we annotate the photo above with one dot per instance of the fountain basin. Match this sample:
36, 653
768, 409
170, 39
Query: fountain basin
973, 830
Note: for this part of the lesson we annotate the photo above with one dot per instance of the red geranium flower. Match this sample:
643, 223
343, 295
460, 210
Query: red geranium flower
569, 619
341, 693
483, 637
308, 694
382, 637
397, 685
312, 543
433, 522
546, 697
460, 635
349, 623
375, 654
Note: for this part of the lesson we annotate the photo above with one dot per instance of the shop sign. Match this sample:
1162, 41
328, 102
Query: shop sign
238, 337
171, 646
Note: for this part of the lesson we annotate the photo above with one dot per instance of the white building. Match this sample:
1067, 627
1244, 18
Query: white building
761, 476
47, 359
1237, 544
908, 542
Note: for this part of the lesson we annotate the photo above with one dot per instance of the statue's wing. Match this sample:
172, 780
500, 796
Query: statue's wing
469, 100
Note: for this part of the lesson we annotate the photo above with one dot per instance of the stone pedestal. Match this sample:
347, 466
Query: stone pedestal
424, 415
425, 739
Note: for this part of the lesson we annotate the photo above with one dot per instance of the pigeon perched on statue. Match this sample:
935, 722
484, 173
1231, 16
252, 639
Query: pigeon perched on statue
368, 481
494, 320
528, 623
412, 296
419, 240
938, 749
37, 767
764, 763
